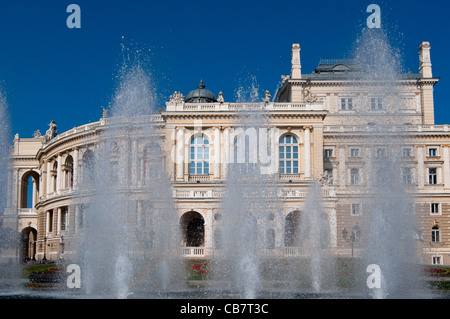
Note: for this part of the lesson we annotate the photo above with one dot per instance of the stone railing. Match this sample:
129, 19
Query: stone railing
386, 128
233, 107
217, 194
199, 178
192, 252
293, 252
27, 212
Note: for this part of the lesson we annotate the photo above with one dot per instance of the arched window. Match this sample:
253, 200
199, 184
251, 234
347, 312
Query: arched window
88, 167
435, 234
288, 156
199, 155
54, 175
29, 190
68, 172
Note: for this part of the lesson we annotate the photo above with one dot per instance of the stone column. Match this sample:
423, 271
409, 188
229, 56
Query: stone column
217, 152
342, 167
134, 162
307, 144
59, 174
75, 168
332, 221
446, 154
180, 154
35, 194
226, 150
76, 219
58, 221
421, 167
142, 173
49, 177
208, 227
47, 223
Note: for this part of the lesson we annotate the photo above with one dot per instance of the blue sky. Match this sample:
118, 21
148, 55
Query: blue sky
50, 72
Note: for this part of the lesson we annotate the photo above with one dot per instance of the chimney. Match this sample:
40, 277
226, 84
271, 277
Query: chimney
425, 60
296, 70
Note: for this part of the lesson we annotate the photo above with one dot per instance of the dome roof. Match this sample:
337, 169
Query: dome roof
200, 95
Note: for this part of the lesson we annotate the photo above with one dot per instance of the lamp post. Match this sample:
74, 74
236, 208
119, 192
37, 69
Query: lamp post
354, 237
45, 249
62, 248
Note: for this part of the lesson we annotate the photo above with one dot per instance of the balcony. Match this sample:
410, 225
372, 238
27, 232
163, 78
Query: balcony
27, 212
192, 252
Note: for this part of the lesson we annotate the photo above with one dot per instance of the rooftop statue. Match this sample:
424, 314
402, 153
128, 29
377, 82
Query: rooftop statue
52, 131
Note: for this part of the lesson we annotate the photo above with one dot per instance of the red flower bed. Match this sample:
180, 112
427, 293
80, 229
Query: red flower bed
435, 271
200, 268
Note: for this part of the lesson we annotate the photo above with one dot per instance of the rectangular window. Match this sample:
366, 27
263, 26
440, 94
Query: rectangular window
432, 152
346, 104
435, 235
434, 208
380, 153
354, 152
354, 176
350, 104
407, 152
436, 260
355, 209
407, 176
432, 176
376, 104
50, 221
64, 212
329, 176
328, 153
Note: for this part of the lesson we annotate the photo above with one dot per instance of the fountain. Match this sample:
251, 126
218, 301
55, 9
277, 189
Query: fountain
9, 271
389, 208
129, 239
129, 243
244, 222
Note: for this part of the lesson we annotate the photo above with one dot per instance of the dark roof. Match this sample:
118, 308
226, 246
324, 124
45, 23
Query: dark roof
344, 69
200, 95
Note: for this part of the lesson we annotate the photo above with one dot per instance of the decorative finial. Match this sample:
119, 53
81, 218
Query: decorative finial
201, 85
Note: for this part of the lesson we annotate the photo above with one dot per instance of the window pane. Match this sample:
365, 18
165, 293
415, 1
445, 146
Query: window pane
288, 139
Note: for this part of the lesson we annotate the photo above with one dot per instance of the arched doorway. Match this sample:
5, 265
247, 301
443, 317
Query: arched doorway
292, 229
29, 237
192, 226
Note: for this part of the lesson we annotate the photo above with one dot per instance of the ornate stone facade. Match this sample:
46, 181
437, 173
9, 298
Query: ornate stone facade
322, 113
